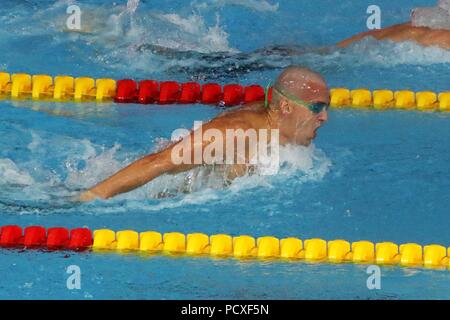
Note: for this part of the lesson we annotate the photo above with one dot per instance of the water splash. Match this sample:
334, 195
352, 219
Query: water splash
192, 34
11, 175
96, 167
204, 184
132, 6
257, 5
137, 40
390, 53
433, 17
29, 185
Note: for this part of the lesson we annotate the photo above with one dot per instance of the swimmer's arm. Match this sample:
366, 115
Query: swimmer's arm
151, 166
406, 32
142, 171
135, 175
378, 34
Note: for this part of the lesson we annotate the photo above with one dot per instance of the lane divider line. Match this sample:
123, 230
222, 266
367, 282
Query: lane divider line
84, 89
224, 245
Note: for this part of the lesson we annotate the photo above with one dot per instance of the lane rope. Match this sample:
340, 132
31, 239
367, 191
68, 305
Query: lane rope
62, 88
227, 246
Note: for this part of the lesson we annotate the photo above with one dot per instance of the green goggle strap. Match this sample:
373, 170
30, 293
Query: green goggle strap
293, 98
266, 95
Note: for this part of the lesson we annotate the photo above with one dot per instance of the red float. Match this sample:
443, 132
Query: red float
80, 238
233, 94
126, 91
211, 93
254, 93
57, 238
169, 92
190, 92
148, 91
10, 236
269, 94
35, 236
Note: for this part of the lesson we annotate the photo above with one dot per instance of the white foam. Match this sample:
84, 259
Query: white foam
197, 198
432, 17
216, 39
258, 5
192, 24
32, 179
36, 141
86, 164
203, 185
97, 167
132, 6
311, 162
444, 4
121, 29
10, 174
435, 18
193, 34
305, 163
389, 53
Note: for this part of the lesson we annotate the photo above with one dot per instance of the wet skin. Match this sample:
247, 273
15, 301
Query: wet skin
296, 124
405, 32
290, 118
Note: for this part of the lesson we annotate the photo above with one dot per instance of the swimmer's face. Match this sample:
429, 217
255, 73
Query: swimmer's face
298, 124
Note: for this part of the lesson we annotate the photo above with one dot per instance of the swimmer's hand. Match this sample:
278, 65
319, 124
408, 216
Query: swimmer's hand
87, 196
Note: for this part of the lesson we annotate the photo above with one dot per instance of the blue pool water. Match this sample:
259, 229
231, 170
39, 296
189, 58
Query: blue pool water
375, 175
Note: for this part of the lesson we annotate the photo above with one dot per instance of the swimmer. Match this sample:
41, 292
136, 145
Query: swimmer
428, 27
300, 100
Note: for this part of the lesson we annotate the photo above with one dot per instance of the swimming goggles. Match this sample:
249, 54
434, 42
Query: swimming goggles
315, 108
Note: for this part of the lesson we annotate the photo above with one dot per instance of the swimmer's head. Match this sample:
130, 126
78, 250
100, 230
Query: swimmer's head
299, 100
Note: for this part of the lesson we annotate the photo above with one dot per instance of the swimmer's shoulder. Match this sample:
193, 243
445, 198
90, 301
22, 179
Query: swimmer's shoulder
254, 106
248, 115
250, 110
245, 109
